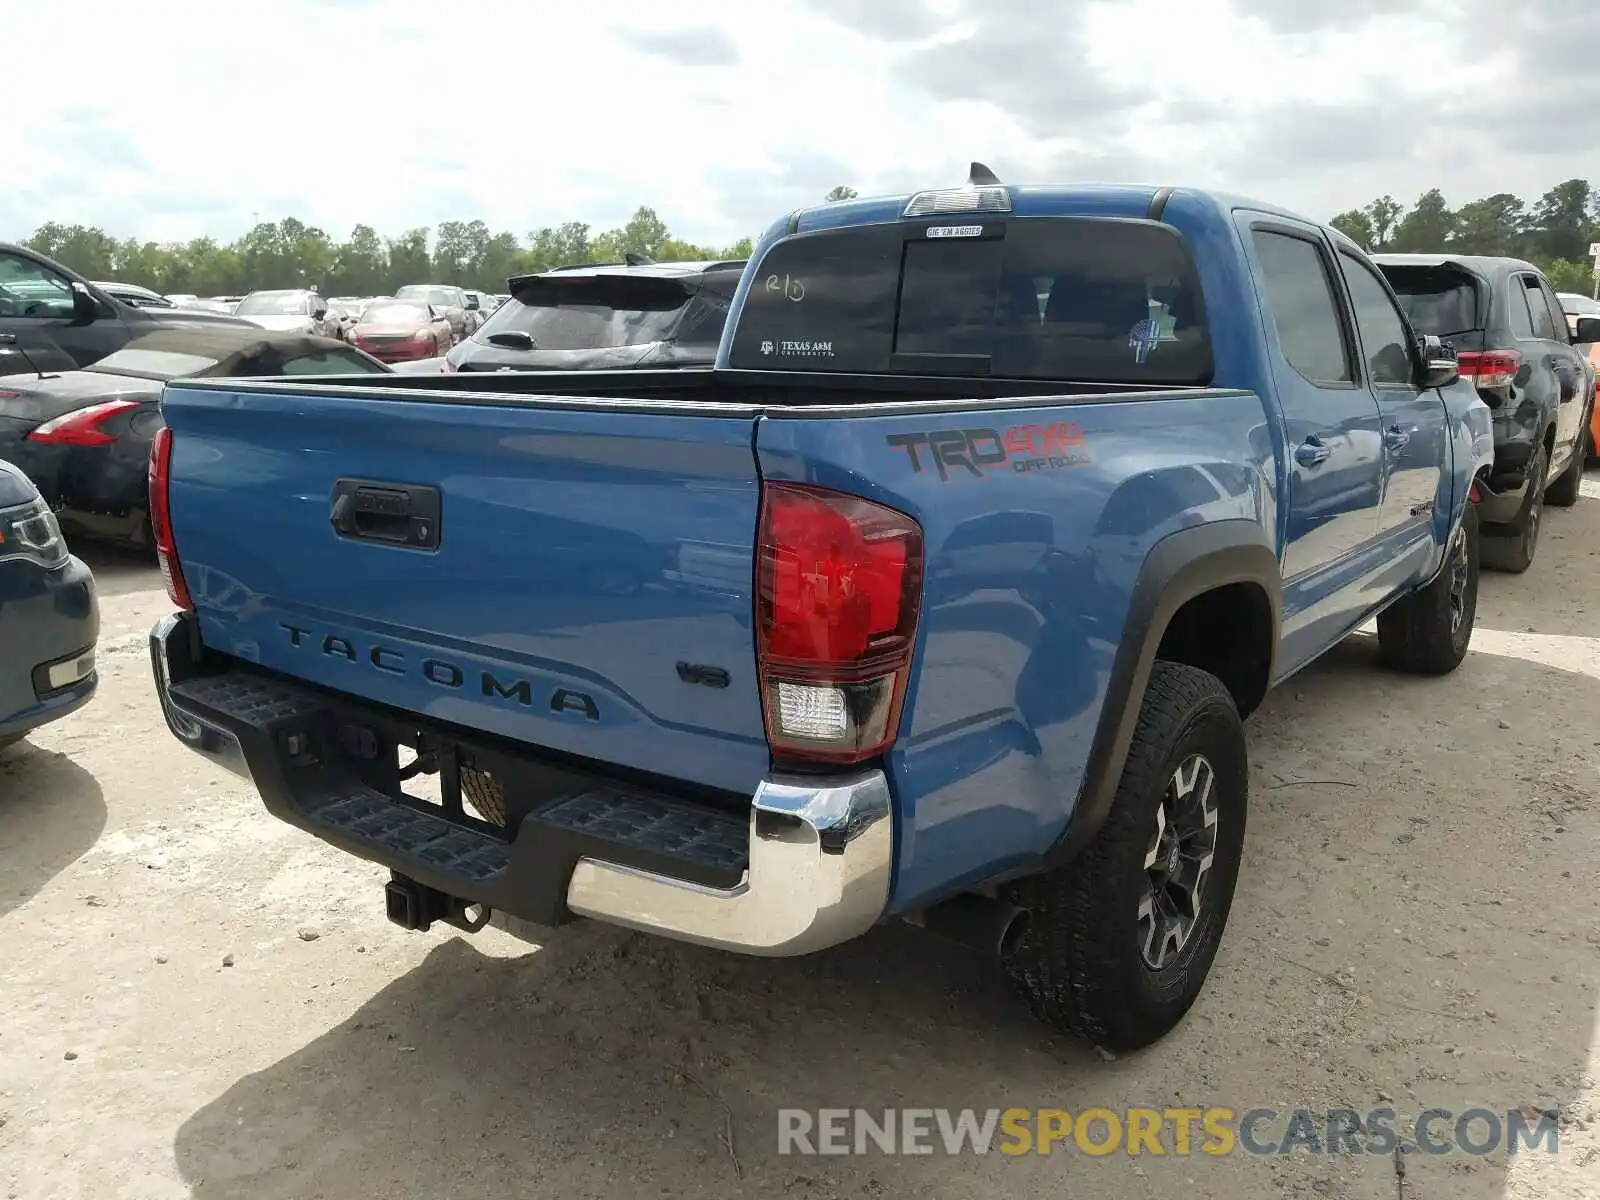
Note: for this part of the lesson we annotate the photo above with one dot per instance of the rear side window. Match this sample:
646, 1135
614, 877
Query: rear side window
1305, 312
1069, 298
1518, 315
1384, 337
1538, 311
1445, 302
1558, 318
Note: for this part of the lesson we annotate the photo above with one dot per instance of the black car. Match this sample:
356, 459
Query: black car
1514, 343
606, 317
49, 618
84, 436
53, 310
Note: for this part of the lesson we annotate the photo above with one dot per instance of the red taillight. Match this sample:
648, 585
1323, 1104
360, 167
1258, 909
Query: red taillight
161, 519
1489, 368
84, 427
839, 584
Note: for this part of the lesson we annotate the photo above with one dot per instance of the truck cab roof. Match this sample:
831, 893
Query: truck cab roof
1031, 200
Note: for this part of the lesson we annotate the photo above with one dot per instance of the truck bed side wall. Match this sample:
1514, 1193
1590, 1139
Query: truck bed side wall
1033, 562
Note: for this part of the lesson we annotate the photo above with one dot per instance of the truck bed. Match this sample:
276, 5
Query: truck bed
591, 592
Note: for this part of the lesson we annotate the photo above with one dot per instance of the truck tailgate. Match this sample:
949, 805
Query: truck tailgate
590, 589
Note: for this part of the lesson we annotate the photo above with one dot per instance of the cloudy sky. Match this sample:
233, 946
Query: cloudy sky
166, 119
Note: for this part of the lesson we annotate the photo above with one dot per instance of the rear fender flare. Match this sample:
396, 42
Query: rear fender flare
1183, 565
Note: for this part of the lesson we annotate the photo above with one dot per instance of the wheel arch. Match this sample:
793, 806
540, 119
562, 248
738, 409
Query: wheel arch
1221, 570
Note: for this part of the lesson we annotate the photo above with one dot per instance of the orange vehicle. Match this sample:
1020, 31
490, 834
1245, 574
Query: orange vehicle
1575, 306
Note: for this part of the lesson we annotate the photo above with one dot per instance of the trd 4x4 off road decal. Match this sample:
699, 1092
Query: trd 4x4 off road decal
979, 452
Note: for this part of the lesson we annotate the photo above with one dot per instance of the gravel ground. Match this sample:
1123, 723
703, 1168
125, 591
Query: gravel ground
201, 1002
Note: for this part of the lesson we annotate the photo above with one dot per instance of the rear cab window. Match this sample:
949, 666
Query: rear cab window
1092, 299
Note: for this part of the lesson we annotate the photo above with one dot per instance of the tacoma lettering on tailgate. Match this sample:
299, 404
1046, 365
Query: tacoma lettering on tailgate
442, 672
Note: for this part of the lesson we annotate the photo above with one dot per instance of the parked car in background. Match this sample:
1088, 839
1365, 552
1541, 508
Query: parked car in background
605, 318
446, 299
222, 307
132, 293
340, 320
289, 310
353, 305
84, 436
1513, 342
402, 331
1576, 307
49, 616
182, 299
56, 314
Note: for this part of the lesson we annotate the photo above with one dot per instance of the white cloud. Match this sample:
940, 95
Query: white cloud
171, 118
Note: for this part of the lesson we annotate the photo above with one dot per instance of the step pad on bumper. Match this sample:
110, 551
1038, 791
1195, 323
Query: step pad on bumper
308, 776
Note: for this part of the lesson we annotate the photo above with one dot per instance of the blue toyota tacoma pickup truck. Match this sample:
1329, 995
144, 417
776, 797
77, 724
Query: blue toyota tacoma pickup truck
941, 596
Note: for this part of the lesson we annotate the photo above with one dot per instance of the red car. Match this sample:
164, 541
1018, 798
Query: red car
402, 330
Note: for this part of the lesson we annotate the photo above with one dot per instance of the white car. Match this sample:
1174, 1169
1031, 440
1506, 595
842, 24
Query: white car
293, 310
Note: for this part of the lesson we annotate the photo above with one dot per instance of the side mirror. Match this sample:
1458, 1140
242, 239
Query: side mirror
85, 309
513, 339
1585, 330
319, 313
472, 304
1439, 365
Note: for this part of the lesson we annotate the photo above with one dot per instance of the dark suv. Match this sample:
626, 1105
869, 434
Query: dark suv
605, 317
61, 321
1512, 339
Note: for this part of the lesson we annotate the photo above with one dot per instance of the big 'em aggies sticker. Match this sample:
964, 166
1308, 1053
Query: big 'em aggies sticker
981, 452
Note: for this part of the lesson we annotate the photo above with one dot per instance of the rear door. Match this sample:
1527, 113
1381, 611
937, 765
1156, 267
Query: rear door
1332, 426
1415, 445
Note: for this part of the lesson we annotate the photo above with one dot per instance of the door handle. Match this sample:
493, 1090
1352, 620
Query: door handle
396, 513
1395, 438
1312, 452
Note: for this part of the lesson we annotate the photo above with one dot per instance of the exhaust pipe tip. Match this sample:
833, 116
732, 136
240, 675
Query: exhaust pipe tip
978, 922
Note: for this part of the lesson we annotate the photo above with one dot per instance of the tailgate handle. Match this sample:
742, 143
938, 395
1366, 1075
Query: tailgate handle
396, 514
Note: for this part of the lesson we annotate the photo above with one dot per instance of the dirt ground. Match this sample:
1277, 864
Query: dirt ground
201, 1002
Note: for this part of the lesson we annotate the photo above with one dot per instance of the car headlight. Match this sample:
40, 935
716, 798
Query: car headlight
30, 531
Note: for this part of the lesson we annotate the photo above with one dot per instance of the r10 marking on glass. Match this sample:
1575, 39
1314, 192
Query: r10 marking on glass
788, 286
950, 231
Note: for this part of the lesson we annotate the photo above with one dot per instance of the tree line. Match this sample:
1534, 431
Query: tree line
1554, 233
291, 254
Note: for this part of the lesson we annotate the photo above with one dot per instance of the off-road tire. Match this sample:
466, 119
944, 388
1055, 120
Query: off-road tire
1564, 492
1514, 552
1421, 633
481, 791
1079, 963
